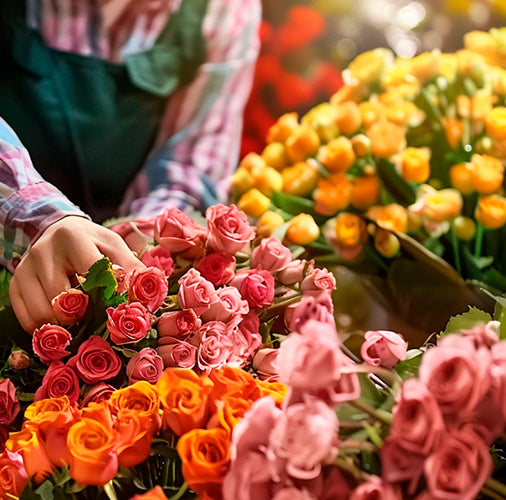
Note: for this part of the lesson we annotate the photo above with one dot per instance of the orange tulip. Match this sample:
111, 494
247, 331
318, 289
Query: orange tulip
337, 155
300, 179
332, 195
283, 128
251, 161
184, 399
487, 173
365, 191
415, 164
443, 205
267, 180
205, 455
394, 217
495, 126
453, 128
350, 230
348, 117
302, 230
491, 211
386, 138
302, 143
461, 178
372, 112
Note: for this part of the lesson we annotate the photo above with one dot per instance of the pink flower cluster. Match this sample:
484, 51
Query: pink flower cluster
445, 420
286, 453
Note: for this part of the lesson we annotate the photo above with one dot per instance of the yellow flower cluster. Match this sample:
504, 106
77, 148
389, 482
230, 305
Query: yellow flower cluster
414, 146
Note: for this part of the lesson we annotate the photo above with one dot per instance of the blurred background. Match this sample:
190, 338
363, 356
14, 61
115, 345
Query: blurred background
306, 44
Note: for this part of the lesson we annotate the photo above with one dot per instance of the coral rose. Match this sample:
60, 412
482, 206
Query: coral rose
148, 286
128, 322
217, 267
50, 342
13, 476
59, 380
177, 323
69, 306
271, 255
229, 305
9, 404
159, 257
175, 352
144, 365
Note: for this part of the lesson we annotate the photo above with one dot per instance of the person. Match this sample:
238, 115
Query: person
112, 108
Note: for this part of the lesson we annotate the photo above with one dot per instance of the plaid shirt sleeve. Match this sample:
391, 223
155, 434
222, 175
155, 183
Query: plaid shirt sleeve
28, 204
198, 143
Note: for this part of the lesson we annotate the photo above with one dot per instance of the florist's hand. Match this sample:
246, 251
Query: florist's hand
71, 245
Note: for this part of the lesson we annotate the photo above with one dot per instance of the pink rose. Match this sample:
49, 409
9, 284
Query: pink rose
459, 467
148, 286
271, 255
398, 464
195, 292
144, 365
136, 233
317, 308
304, 438
245, 337
375, 489
383, 348
9, 404
177, 232
485, 335
228, 229
13, 476
95, 361
318, 281
128, 322
256, 286
417, 420
294, 272
346, 388
50, 342
498, 370
335, 484
160, 258
178, 324
229, 305
311, 359
292, 493
177, 353
97, 393
457, 374
59, 380
19, 360
217, 267
69, 307
264, 363
213, 351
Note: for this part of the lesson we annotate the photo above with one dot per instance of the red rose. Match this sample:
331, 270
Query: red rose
159, 257
177, 324
195, 292
59, 380
69, 306
145, 365
50, 341
128, 322
95, 360
256, 286
228, 229
148, 286
217, 267
9, 404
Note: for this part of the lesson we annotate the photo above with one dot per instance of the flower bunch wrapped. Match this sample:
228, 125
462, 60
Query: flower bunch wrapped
406, 159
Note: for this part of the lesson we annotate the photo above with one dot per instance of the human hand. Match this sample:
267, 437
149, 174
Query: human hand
69, 246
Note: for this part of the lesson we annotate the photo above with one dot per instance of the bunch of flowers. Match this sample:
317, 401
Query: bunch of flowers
406, 158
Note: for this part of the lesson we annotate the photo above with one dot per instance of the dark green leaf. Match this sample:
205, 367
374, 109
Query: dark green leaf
100, 275
398, 188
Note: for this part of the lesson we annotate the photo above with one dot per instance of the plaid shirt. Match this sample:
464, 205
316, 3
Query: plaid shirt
197, 146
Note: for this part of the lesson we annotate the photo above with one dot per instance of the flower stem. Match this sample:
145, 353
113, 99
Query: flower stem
495, 487
456, 251
180, 492
478, 242
383, 416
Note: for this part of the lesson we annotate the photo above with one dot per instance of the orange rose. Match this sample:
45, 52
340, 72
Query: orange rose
276, 390
332, 195
386, 138
184, 398
232, 381
92, 446
453, 128
491, 211
205, 456
230, 410
155, 494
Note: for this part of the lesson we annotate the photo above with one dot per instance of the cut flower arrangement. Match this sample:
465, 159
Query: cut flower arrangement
280, 409
405, 160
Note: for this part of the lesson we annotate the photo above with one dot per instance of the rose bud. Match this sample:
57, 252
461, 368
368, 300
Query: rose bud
19, 360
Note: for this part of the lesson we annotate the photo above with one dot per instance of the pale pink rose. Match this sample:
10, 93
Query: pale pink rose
195, 292
9, 404
148, 286
304, 438
318, 281
484, 335
256, 286
59, 380
294, 271
346, 388
244, 342
50, 342
97, 393
229, 305
318, 308
69, 306
248, 478
457, 374
217, 267
498, 370
292, 493
417, 420
95, 361
376, 489
177, 353
144, 365
383, 348
160, 258
13, 475
399, 464
459, 467
228, 229
177, 232
128, 322
177, 324
19, 360
311, 359
213, 351
264, 363
271, 255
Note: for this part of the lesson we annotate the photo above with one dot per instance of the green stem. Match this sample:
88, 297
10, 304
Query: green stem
180, 492
456, 251
496, 486
478, 242
382, 416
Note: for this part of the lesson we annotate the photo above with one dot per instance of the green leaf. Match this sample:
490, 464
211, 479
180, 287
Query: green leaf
466, 321
110, 491
396, 186
100, 275
408, 368
5, 278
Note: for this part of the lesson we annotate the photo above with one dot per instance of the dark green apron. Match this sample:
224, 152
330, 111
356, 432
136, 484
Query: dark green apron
89, 124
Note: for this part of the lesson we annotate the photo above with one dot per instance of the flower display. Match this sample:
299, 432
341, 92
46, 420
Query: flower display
405, 160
